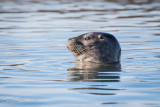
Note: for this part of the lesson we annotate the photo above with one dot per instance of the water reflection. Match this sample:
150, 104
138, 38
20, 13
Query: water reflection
91, 72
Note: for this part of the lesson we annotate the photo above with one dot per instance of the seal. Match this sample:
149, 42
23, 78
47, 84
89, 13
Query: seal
96, 47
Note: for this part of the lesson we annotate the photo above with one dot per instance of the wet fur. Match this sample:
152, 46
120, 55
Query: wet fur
106, 50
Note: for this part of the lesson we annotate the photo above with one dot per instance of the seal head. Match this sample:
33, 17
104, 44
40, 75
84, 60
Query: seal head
97, 47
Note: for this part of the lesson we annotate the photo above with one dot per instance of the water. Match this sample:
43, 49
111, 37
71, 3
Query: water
37, 70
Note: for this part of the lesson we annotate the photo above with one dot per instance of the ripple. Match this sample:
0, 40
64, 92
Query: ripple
36, 66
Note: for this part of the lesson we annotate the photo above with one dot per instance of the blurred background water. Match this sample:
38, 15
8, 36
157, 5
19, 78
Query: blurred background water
34, 60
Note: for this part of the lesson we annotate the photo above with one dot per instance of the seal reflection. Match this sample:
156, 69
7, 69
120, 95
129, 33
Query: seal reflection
98, 77
92, 72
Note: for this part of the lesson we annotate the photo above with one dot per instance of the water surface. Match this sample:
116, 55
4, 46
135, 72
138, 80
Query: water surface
36, 68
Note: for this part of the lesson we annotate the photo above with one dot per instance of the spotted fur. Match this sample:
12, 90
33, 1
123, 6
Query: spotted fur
95, 47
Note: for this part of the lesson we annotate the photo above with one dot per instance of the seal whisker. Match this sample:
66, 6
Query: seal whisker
76, 48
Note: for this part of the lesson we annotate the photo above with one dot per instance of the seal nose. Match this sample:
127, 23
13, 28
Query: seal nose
71, 40
70, 43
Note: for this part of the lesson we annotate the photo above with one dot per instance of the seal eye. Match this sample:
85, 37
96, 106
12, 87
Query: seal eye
101, 37
87, 38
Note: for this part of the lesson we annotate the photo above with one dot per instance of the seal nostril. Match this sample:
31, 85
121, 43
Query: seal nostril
70, 40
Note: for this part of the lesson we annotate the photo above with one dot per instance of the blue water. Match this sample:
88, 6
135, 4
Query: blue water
37, 70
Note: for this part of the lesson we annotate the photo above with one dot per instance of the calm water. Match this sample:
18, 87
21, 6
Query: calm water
36, 68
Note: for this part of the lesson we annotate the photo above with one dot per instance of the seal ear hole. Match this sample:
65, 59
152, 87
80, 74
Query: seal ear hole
87, 38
